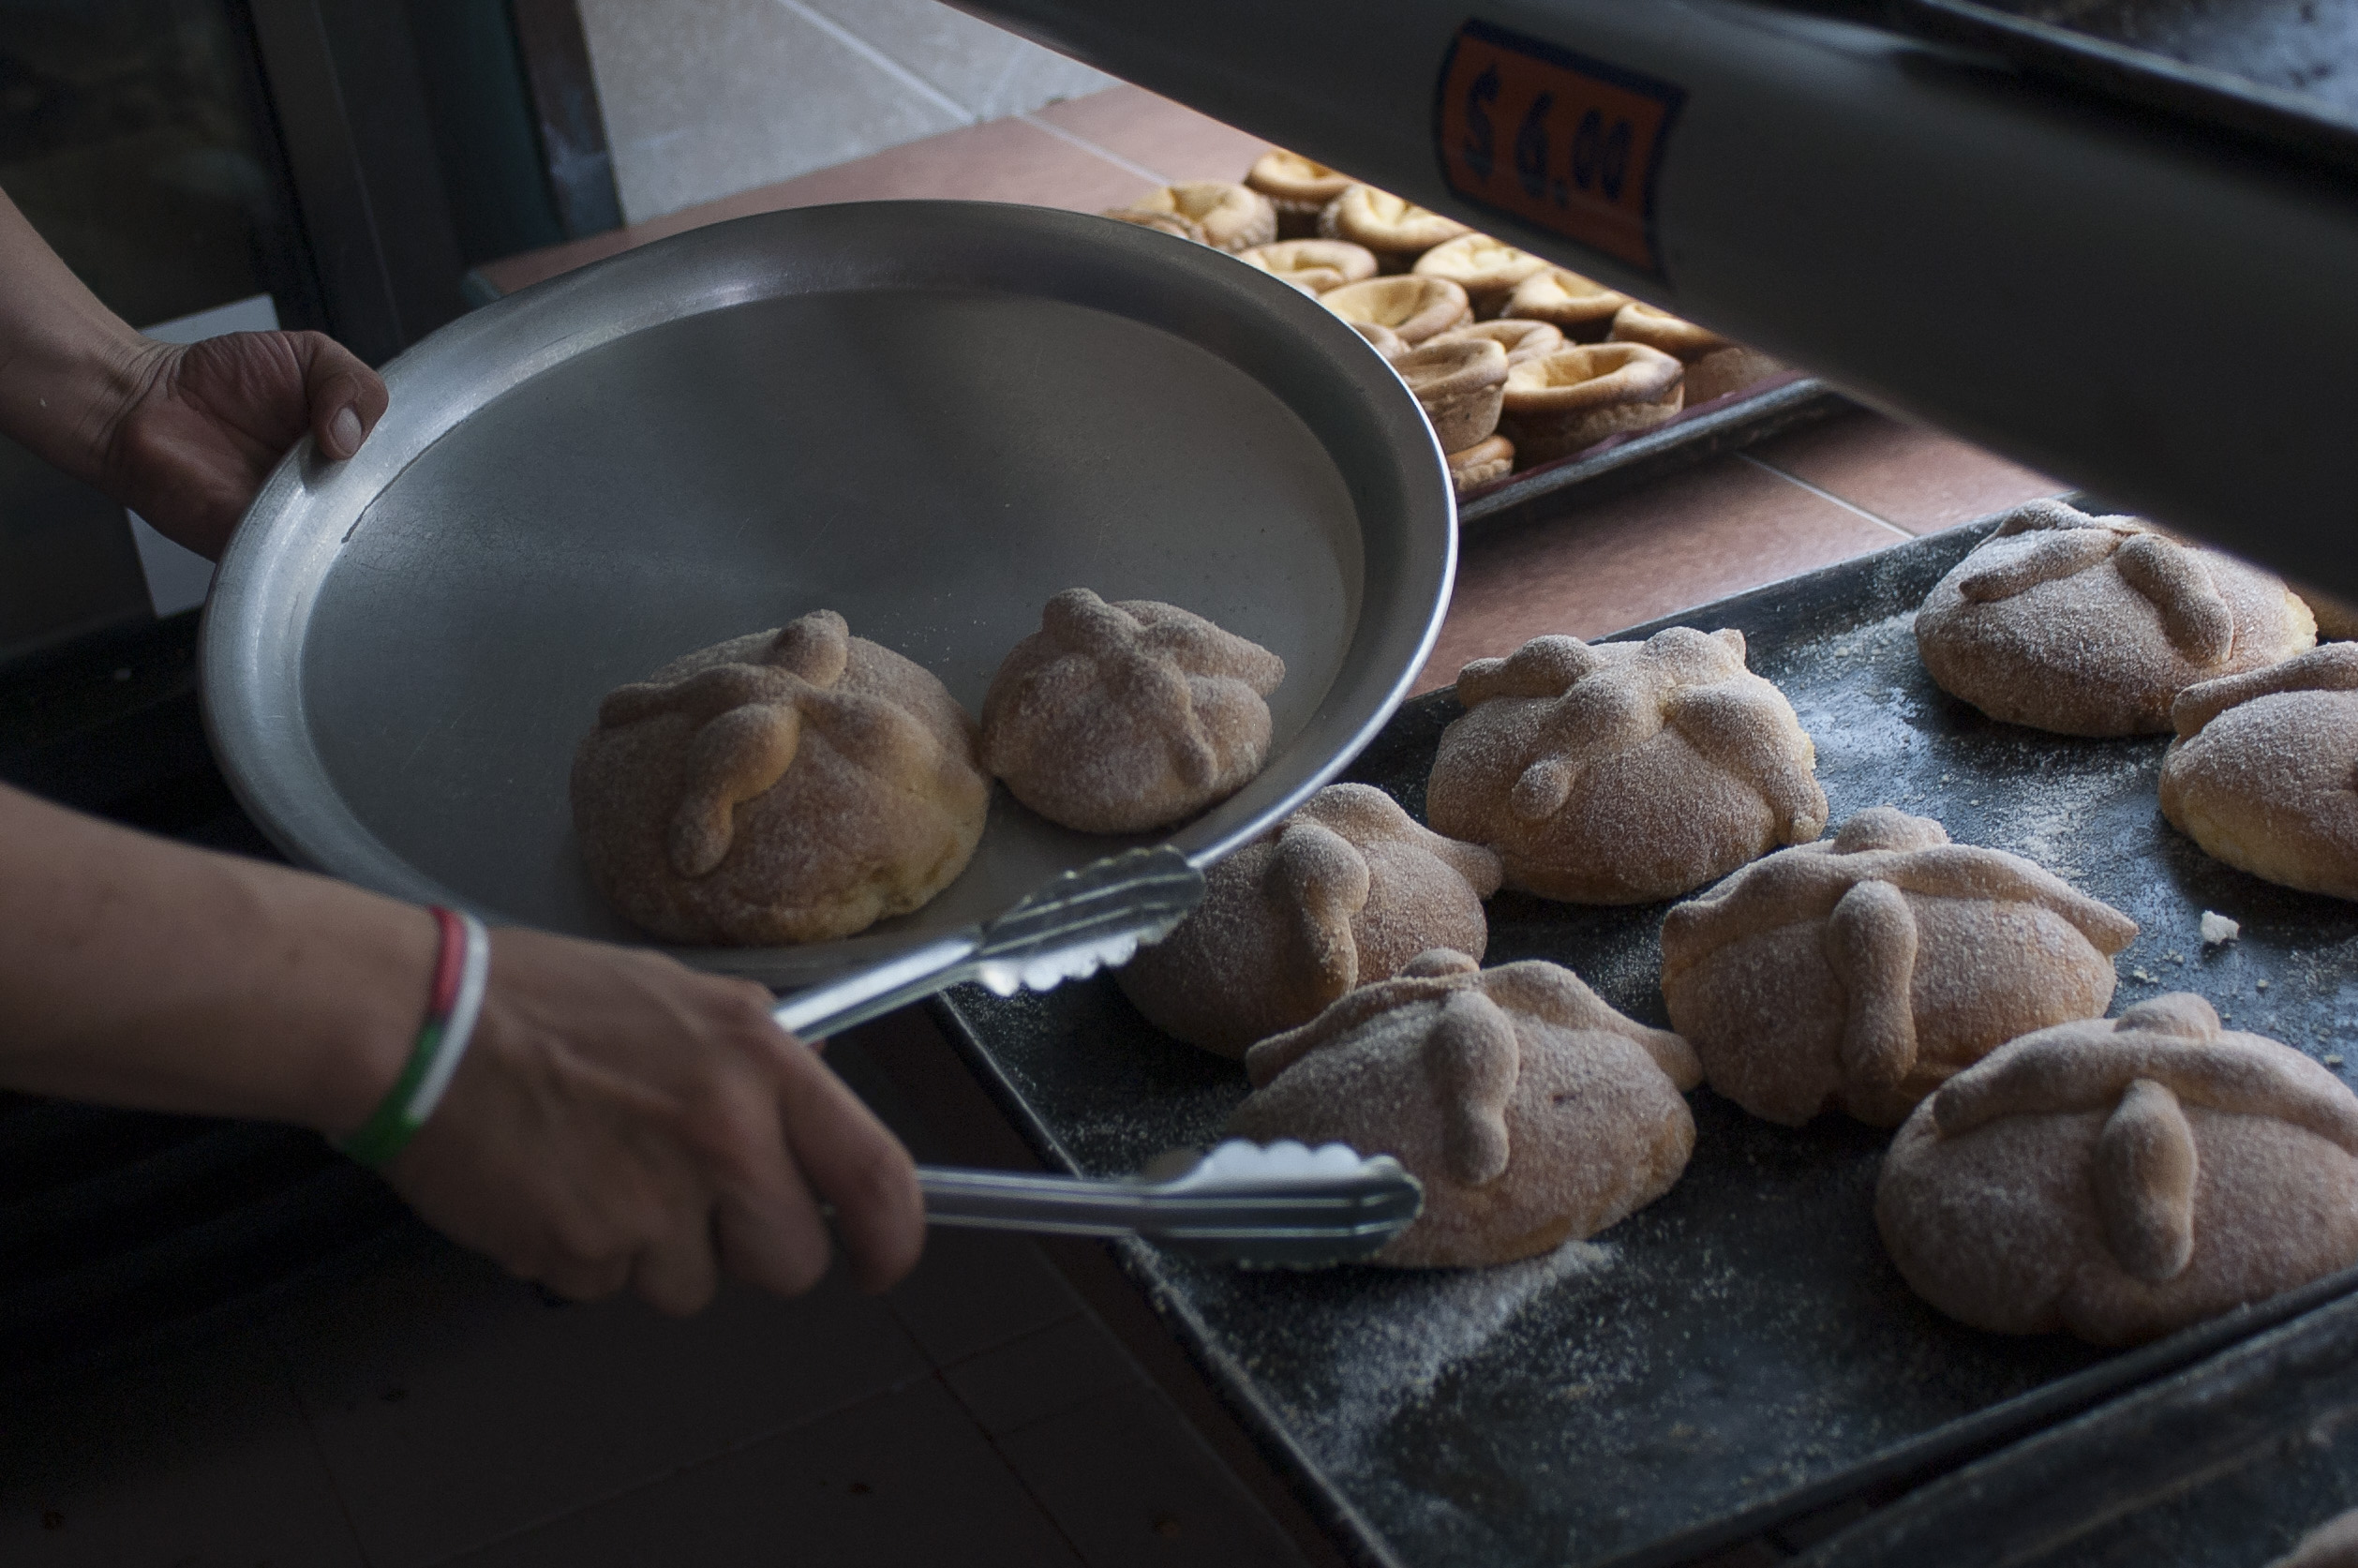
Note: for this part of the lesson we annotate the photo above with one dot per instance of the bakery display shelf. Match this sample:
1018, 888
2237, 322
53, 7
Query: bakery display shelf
2231, 1461
2282, 74
1741, 1352
1724, 424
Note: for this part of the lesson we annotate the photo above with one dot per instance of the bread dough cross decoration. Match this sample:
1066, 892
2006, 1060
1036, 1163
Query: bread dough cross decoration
1142, 653
2143, 1068
2194, 616
752, 719
1611, 696
1853, 882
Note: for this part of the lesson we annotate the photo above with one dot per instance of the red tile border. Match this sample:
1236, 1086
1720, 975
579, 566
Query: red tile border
1913, 478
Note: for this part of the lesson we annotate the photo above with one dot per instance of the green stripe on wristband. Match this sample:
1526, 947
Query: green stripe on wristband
383, 1134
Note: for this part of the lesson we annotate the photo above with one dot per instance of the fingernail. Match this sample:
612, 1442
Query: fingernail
345, 427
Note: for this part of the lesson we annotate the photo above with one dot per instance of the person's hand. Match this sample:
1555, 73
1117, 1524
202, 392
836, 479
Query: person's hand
621, 1120
201, 425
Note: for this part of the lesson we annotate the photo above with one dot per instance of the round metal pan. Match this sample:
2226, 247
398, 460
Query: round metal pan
927, 415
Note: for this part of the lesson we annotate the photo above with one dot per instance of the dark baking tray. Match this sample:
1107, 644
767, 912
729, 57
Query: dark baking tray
2284, 72
2224, 1466
1741, 1353
1736, 420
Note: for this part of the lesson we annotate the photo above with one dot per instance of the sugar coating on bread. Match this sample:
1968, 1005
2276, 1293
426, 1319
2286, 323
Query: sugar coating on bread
1532, 1112
1346, 890
2092, 625
1623, 772
793, 785
1115, 718
2120, 1178
2265, 772
1859, 973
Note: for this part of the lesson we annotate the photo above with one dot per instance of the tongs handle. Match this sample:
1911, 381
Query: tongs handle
864, 994
1364, 1205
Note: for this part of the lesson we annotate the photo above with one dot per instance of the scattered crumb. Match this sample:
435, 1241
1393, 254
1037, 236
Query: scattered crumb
2177, 958
2217, 930
2260, 984
2141, 975
2333, 1061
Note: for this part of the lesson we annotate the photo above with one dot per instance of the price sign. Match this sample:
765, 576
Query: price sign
1563, 142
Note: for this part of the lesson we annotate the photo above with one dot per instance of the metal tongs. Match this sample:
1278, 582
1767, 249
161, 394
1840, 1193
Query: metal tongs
1282, 1207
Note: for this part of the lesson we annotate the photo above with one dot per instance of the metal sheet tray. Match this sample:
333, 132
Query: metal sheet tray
928, 415
2283, 74
1741, 1352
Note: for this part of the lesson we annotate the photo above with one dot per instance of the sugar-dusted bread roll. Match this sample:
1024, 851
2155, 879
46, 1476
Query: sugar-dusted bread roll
1623, 772
1117, 718
2092, 625
1415, 308
1459, 384
2265, 772
2119, 1178
1233, 217
1566, 402
2331, 1544
1532, 1112
1716, 366
1859, 973
1395, 229
1344, 892
792, 785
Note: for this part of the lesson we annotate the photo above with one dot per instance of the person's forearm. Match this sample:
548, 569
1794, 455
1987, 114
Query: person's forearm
140, 972
68, 365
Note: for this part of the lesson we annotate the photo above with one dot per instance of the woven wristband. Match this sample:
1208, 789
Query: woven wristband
460, 970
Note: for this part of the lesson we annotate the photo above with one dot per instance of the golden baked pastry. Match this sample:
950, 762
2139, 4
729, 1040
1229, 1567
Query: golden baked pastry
2331, 1544
1481, 463
1581, 307
2092, 625
2119, 1178
1716, 366
1622, 772
1521, 340
1486, 268
1233, 217
1858, 972
1396, 230
1382, 338
1415, 308
1459, 385
1532, 1112
1341, 893
2265, 772
1297, 188
792, 785
1176, 225
1568, 401
1115, 718
1313, 266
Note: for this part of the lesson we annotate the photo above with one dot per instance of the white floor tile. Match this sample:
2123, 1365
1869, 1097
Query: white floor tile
903, 1479
198, 1459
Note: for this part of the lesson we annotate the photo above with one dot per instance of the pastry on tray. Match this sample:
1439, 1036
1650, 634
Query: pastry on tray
1415, 308
1622, 772
2265, 772
1532, 1112
792, 786
1396, 230
2092, 625
2120, 1178
1459, 384
1580, 307
1382, 338
1233, 217
1716, 366
1486, 268
1313, 266
1344, 892
1568, 401
1858, 974
1297, 188
1177, 225
1481, 463
1521, 340
1115, 718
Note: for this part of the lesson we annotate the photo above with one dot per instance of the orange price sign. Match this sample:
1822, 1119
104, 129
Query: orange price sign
1568, 143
